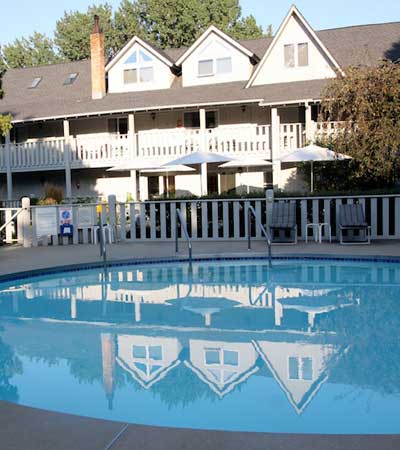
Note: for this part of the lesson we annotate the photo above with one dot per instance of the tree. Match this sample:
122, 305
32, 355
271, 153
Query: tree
126, 23
72, 35
177, 23
367, 101
246, 28
5, 119
36, 50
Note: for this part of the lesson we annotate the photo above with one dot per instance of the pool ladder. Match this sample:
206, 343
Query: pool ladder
251, 212
181, 220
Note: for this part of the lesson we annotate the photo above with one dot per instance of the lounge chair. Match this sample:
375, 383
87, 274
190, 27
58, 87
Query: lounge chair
283, 223
351, 219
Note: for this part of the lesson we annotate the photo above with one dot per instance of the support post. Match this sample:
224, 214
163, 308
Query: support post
67, 159
276, 147
203, 148
203, 130
203, 179
269, 197
112, 211
25, 223
133, 181
8, 167
310, 125
132, 135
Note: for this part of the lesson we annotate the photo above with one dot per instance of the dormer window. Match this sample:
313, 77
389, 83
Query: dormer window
302, 54
35, 82
138, 68
296, 53
216, 66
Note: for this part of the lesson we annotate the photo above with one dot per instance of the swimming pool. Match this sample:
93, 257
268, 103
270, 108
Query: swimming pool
304, 346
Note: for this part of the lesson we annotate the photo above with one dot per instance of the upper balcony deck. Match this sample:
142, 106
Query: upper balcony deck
106, 149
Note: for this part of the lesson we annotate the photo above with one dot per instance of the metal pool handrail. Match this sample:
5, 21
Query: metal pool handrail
251, 211
182, 221
102, 240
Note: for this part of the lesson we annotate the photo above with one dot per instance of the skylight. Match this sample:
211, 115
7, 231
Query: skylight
35, 82
71, 78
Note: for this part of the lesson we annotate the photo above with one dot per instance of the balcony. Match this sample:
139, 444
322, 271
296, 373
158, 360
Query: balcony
105, 150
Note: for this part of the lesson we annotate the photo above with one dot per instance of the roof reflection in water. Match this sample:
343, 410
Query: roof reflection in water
222, 325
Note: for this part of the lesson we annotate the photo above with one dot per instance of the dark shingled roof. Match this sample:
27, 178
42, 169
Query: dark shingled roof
365, 44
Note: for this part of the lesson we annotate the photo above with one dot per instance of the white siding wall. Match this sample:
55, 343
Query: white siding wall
163, 76
215, 46
274, 70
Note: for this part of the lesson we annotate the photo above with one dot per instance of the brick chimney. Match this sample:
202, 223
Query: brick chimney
97, 60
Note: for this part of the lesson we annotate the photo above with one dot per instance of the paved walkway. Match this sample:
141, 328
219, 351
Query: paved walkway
18, 259
23, 428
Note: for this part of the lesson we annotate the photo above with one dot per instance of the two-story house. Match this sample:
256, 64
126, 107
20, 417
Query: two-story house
72, 122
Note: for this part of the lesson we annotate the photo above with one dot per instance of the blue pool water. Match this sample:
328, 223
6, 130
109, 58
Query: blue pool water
305, 346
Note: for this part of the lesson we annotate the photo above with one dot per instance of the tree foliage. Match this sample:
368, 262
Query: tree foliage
367, 101
5, 119
177, 23
72, 35
36, 50
165, 23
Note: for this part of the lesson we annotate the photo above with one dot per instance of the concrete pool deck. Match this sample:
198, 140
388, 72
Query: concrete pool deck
33, 429
18, 259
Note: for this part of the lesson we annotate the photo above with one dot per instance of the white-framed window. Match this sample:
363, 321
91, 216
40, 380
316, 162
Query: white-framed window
302, 54
222, 364
289, 55
295, 55
214, 66
300, 368
147, 358
138, 68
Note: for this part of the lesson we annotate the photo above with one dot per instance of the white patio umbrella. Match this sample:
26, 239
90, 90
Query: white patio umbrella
311, 153
200, 159
134, 165
246, 161
148, 167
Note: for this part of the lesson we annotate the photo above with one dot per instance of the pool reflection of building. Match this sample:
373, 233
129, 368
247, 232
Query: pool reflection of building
272, 318
299, 368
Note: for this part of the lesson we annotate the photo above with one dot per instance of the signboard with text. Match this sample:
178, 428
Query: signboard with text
46, 221
65, 218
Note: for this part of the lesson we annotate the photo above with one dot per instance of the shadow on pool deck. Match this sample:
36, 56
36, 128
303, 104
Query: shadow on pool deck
23, 428
18, 259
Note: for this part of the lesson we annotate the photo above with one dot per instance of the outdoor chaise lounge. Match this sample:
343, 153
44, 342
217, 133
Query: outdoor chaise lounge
283, 228
352, 221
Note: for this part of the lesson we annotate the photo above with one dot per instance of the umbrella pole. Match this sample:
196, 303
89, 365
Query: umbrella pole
312, 176
247, 174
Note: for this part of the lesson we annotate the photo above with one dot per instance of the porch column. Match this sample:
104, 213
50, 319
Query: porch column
203, 147
133, 153
276, 147
67, 159
8, 167
132, 135
310, 125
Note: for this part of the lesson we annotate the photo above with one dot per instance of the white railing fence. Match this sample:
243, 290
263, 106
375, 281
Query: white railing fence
105, 149
212, 220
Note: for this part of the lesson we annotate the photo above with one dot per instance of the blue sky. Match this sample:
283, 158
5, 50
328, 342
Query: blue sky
22, 17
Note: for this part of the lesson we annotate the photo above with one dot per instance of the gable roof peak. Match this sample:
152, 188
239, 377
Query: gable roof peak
146, 45
293, 11
213, 29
